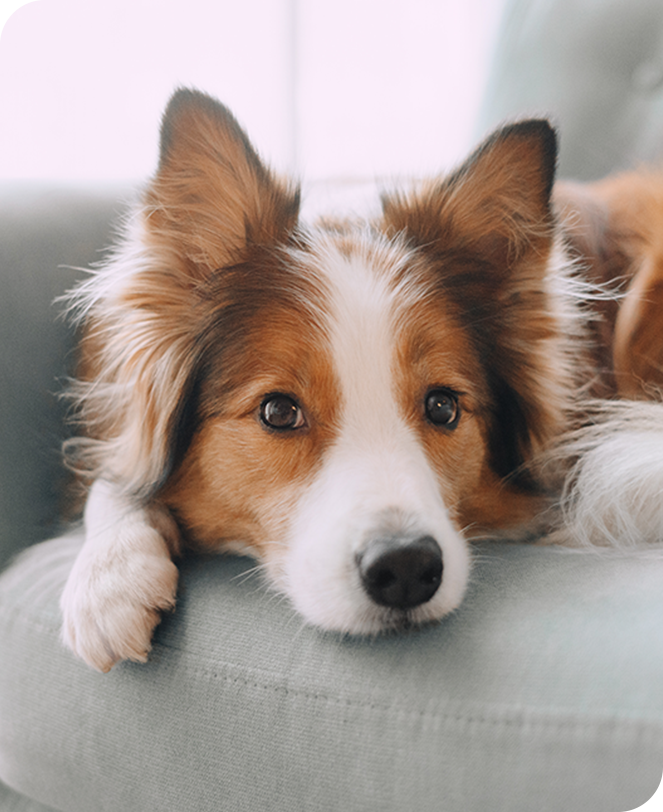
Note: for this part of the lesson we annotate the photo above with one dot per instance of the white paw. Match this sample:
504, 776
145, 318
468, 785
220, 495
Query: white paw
120, 583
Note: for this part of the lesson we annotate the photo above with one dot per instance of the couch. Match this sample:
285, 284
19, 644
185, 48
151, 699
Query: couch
544, 691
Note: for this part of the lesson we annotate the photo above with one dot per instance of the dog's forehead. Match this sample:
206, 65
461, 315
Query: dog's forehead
345, 309
381, 311
362, 269
376, 288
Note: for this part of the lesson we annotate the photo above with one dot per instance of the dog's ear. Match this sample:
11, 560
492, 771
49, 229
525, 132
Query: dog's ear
495, 207
211, 202
489, 231
212, 197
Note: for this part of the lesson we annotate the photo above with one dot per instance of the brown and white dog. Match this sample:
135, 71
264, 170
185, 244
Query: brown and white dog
352, 403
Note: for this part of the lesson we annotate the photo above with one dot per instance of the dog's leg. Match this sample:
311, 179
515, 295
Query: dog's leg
121, 581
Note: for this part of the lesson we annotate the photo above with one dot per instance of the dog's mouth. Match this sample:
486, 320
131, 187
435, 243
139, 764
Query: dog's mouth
389, 622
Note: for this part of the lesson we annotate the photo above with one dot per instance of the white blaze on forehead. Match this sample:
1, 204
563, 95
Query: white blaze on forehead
375, 477
363, 323
375, 448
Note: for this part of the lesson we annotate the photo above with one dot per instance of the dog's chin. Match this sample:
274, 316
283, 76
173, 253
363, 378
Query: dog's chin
384, 621
326, 590
378, 620
357, 615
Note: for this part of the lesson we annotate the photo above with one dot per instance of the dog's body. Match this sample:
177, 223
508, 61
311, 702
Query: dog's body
351, 403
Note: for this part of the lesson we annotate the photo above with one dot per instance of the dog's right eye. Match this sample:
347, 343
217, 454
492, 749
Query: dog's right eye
281, 412
442, 408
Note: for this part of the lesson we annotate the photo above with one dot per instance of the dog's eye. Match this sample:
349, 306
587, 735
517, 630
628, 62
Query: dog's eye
442, 408
281, 412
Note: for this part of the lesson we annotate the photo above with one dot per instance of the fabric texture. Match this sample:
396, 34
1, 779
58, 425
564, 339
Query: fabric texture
11, 801
542, 692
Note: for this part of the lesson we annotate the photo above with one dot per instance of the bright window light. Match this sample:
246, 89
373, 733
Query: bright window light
325, 88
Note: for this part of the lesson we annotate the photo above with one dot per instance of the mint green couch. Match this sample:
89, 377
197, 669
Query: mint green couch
543, 693
596, 66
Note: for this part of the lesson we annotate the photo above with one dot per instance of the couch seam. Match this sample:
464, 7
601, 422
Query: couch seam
513, 716
508, 717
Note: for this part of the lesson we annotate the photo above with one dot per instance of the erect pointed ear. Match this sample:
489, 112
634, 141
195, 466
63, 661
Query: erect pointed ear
212, 197
495, 206
488, 232
211, 202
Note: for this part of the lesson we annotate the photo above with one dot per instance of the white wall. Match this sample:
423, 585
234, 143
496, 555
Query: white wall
349, 88
390, 86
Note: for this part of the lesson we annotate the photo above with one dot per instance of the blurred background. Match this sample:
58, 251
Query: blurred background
349, 89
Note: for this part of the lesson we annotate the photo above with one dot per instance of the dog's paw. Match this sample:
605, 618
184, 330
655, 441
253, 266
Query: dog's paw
115, 594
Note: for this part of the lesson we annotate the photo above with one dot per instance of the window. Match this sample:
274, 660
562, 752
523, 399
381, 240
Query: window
344, 89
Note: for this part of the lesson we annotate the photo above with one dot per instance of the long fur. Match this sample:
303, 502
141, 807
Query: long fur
481, 294
611, 466
612, 479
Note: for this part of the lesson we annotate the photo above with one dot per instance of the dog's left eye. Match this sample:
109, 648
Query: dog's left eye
281, 412
442, 408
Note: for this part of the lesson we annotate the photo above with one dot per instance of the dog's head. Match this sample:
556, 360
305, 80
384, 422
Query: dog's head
350, 403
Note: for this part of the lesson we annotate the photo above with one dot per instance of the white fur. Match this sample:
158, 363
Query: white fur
123, 577
376, 479
614, 494
40, 572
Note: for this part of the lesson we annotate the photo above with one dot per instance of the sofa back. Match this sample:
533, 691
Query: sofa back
596, 67
46, 238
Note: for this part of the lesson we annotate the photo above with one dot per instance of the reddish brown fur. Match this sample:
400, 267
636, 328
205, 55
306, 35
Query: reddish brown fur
616, 227
220, 309
236, 475
212, 204
437, 350
218, 300
488, 231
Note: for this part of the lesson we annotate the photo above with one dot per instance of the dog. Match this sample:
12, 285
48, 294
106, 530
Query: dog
351, 403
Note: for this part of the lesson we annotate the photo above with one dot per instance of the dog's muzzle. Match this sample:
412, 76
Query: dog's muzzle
401, 573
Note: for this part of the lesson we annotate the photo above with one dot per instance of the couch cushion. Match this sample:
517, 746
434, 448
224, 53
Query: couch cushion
544, 691
11, 801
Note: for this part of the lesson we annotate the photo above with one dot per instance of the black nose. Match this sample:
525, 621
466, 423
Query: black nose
401, 573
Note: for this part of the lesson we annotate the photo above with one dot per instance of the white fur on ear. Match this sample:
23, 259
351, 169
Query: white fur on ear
139, 354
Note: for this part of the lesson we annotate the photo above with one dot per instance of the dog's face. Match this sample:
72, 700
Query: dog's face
341, 420
348, 403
